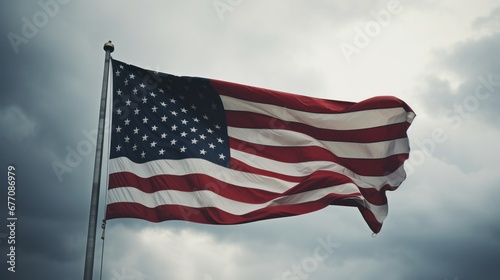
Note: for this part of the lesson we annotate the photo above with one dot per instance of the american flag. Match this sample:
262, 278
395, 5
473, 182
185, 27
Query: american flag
208, 151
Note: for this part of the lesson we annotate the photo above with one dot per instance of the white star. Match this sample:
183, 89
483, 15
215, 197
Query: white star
193, 107
174, 113
154, 128
183, 134
209, 130
217, 126
134, 91
174, 127
136, 111
203, 137
163, 135
128, 102
172, 100
173, 142
118, 129
153, 144
183, 149
126, 139
118, 148
136, 130
184, 110
143, 154
134, 148
121, 66
203, 152
127, 122
145, 137
163, 104
118, 111
126, 82
194, 141
184, 121
214, 106
162, 151
164, 118
221, 156
154, 109
142, 85
160, 90
132, 76
182, 97
145, 120
193, 129
152, 94
196, 120
117, 73
144, 100
205, 117
220, 140
119, 91
211, 145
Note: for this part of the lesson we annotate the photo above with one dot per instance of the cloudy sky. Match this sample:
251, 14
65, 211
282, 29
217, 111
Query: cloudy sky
441, 57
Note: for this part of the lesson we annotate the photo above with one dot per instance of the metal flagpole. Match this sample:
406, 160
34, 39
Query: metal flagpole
94, 200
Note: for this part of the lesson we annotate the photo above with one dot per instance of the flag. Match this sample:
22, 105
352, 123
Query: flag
215, 152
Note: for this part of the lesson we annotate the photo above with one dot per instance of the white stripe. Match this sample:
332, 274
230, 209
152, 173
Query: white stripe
306, 168
341, 121
202, 199
287, 138
199, 166
205, 198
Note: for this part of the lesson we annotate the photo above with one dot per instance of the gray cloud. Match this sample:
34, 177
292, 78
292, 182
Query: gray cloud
442, 222
477, 72
490, 22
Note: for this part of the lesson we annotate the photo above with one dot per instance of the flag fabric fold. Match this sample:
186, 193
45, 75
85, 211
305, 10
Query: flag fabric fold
209, 151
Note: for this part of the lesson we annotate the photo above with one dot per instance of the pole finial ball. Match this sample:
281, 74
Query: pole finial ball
109, 46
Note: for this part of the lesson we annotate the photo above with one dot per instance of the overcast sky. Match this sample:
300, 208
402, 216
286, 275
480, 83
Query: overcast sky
441, 57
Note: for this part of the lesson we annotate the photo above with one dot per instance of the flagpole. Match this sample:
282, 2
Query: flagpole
94, 200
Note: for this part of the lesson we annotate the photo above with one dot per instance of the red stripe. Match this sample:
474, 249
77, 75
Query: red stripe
190, 183
241, 166
371, 194
364, 167
376, 134
211, 215
196, 182
303, 103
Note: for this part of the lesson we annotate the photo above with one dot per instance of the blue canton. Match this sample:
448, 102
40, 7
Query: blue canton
161, 116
